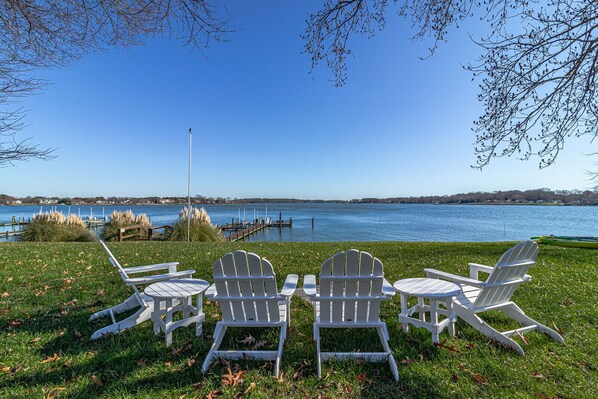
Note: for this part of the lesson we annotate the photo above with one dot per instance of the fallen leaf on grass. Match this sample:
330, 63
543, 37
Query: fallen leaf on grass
455, 378
213, 394
35, 340
233, 377
9, 279
525, 340
408, 360
15, 324
52, 358
168, 364
478, 378
281, 377
190, 362
4, 311
5, 295
96, 381
249, 340
364, 379
141, 362
68, 281
77, 334
101, 292
258, 345
300, 370
539, 375
443, 345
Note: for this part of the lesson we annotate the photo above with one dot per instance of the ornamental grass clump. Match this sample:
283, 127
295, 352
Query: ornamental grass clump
201, 228
127, 218
54, 226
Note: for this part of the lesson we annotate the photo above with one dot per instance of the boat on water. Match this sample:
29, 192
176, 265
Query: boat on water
568, 241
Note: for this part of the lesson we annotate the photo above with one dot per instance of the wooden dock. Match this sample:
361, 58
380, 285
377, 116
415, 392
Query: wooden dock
239, 231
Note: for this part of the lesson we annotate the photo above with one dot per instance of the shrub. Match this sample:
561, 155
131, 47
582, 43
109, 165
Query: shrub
201, 228
119, 220
54, 226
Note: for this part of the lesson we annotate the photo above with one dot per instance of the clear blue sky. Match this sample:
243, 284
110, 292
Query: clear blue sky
264, 126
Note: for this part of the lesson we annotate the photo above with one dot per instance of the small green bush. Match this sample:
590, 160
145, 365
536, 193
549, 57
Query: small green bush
53, 226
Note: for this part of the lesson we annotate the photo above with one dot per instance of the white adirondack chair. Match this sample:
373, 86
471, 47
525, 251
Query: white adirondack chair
138, 299
495, 294
352, 286
245, 287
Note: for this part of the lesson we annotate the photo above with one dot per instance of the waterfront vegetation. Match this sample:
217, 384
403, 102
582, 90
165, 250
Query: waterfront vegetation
127, 218
200, 228
55, 227
49, 290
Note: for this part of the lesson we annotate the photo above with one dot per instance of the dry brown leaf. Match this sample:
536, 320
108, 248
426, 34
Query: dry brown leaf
539, 375
258, 345
168, 364
190, 362
364, 379
68, 281
9, 279
101, 292
14, 324
248, 340
4, 311
5, 295
280, 377
96, 381
52, 358
213, 394
5, 369
443, 345
35, 340
251, 386
233, 377
455, 377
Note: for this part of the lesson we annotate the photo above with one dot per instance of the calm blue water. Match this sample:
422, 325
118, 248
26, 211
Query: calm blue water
376, 222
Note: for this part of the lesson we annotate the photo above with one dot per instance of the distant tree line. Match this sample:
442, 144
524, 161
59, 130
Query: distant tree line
566, 197
539, 196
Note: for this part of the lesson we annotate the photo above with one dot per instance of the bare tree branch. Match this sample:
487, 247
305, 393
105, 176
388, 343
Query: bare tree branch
45, 33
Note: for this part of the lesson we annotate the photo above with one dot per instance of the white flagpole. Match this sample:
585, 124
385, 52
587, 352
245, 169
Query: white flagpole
189, 191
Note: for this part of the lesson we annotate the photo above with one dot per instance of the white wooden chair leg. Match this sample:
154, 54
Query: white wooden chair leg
199, 310
318, 354
218, 336
139, 317
130, 303
450, 314
281, 339
517, 314
383, 334
480, 325
434, 319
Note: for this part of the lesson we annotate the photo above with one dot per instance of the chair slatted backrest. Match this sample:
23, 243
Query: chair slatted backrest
351, 288
114, 262
246, 288
508, 273
123, 274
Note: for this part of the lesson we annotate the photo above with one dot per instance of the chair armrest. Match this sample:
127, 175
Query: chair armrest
474, 268
432, 273
309, 285
171, 266
210, 292
156, 278
290, 285
388, 289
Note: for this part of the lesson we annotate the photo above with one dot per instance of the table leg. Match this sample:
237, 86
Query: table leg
450, 312
421, 308
168, 322
404, 312
434, 319
199, 309
156, 316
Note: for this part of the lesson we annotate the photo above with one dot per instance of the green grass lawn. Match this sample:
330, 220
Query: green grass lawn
49, 290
